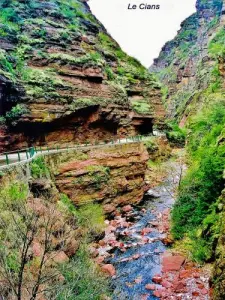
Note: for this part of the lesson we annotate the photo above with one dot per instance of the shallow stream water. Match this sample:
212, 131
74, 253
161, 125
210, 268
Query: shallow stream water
133, 274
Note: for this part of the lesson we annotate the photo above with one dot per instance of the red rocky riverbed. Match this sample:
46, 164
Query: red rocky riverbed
135, 251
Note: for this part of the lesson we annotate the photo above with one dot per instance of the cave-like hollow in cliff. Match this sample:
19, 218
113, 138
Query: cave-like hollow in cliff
7, 95
144, 126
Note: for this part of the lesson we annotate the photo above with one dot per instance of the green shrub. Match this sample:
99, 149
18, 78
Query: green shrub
15, 113
175, 134
141, 107
109, 73
216, 46
203, 182
2, 120
5, 64
106, 41
38, 168
12, 195
151, 145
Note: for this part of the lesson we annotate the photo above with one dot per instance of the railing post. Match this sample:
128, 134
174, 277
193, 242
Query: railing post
19, 158
7, 159
31, 150
27, 156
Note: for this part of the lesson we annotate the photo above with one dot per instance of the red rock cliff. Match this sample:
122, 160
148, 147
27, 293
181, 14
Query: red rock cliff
64, 79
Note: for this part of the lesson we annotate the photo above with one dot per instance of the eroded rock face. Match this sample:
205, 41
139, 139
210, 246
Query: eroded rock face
72, 80
186, 64
114, 176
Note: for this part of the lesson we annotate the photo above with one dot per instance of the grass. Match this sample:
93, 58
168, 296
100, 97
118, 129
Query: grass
90, 216
83, 281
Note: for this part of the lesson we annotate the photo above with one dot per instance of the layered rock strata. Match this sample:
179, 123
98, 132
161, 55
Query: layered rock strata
63, 78
113, 175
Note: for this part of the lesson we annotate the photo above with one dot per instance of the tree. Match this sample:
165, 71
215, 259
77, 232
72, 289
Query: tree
27, 223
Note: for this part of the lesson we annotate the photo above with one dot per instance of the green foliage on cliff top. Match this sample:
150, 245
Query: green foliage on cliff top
32, 27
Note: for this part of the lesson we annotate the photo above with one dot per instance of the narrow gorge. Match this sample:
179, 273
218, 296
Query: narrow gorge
116, 186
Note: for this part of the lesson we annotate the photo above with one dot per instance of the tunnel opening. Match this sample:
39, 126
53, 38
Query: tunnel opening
144, 126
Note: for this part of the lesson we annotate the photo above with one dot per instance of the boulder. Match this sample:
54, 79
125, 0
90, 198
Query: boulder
109, 270
127, 208
157, 279
150, 287
172, 263
59, 257
152, 194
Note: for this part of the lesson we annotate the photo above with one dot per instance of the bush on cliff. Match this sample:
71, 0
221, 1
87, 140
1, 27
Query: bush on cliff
83, 279
175, 134
203, 183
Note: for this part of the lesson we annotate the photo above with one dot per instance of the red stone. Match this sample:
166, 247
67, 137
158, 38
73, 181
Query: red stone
150, 287
136, 256
180, 287
127, 208
195, 293
109, 269
172, 263
157, 279
196, 275
201, 286
85, 39
185, 274
37, 249
204, 291
99, 259
113, 223
146, 230
157, 293
154, 224
102, 243
166, 284
167, 241
60, 257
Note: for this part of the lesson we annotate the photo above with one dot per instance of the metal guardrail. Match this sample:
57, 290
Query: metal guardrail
27, 154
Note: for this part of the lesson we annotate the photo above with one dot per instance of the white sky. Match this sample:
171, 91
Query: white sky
142, 33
